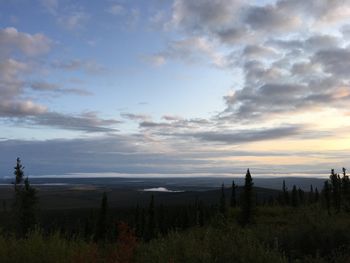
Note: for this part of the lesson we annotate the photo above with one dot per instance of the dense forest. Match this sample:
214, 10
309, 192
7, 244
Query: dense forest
291, 226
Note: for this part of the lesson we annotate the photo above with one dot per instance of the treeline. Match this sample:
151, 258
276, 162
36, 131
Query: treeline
241, 209
158, 219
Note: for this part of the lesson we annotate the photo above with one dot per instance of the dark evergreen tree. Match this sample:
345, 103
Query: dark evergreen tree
19, 174
326, 192
233, 195
345, 182
222, 207
311, 195
29, 202
247, 201
101, 227
336, 190
25, 201
295, 196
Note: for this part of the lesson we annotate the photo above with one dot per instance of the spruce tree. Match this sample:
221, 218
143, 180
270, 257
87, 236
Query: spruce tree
336, 190
345, 182
233, 195
311, 195
326, 192
25, 201
247, 201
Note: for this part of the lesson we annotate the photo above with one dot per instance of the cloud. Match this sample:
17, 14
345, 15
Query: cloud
258, 51
55, 88
192, 50
10, 81
12, 40
20, 108
50, 5
172, 118
117, 153
152, 124
115, 9
135, 117
11, 88
156, 60
334, 61
204, 15
270, 18
130, 154
89, 66
74, 20
249, 135
86, 122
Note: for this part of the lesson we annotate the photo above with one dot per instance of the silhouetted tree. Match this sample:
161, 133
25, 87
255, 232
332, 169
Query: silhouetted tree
345, 181
247, 200
233, 195
101, 227
25, 201
311, 195
336, 190
222, 206
19, 174
326, 192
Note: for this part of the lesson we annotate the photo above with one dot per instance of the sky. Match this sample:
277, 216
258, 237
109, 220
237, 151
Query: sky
174, 87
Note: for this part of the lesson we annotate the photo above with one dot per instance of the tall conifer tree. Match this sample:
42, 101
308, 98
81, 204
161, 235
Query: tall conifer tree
247, 201
233, 195
25, 201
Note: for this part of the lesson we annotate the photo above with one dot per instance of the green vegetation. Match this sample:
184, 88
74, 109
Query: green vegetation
294, 226
24, 202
